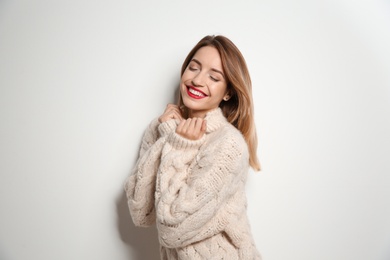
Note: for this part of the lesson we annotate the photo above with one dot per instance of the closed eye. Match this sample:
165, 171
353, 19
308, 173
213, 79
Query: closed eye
214, 79
192, 68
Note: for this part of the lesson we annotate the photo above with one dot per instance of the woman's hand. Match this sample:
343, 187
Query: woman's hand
171, 112
192, 128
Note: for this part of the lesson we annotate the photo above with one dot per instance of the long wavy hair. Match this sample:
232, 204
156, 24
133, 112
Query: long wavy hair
239, 108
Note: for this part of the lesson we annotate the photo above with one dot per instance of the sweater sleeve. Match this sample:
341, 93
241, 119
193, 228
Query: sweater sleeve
140, 185
194, 188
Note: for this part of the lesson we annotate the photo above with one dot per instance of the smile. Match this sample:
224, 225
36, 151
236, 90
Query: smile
195, 93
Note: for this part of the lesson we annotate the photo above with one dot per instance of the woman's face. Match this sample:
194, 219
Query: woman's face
203, 84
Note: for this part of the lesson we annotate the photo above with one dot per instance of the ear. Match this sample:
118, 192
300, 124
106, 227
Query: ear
226, 97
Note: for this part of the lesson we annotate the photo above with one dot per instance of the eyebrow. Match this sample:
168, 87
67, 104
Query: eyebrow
213, 69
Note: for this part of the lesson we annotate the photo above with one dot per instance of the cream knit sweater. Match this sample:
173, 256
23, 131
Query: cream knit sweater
194, 191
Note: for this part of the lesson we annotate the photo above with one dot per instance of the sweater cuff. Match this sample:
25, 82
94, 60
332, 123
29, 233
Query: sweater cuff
181, 143
153, 127
167, 127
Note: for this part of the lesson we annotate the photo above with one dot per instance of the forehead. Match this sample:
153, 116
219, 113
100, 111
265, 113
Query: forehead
208, 56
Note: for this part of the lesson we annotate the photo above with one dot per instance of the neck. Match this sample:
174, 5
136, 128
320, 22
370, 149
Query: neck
199, 114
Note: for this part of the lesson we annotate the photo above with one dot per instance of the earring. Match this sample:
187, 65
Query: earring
226, 98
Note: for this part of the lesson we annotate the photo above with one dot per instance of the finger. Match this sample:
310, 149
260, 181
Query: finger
192, 126
193, 132
172, 107
200, 128
166, 116
187, 125
174, 110
177, 115
168, 108
198, 125
179, 128
171, 112
183, 128
179, 112
204, 126
174, 115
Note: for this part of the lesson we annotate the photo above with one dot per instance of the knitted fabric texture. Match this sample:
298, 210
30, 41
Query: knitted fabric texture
194, 191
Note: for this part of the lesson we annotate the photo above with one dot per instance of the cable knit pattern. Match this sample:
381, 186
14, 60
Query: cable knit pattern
194, 191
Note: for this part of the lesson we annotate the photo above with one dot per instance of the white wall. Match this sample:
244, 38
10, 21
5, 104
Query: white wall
81, 79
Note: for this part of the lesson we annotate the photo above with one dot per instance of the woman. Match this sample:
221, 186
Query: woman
193, 162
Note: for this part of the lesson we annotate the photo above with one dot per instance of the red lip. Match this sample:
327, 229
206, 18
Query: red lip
193, 95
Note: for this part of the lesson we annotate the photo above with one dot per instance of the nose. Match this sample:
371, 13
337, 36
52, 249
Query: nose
199, 79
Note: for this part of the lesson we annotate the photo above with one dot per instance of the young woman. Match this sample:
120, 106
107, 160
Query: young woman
194, 159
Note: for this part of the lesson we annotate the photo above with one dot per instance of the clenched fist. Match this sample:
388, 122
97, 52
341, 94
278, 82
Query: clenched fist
171, 112
192, 128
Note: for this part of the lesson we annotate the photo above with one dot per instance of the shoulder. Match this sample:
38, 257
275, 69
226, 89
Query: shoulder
224, 148
229, 139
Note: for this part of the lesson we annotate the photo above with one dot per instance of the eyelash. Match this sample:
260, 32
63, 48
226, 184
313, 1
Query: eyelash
214, 79
211, 77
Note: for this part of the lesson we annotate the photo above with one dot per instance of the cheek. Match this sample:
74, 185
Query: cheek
183, 78
182, 83
182, 87
220, 90
185, 73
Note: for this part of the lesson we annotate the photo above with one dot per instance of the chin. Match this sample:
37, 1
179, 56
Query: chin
188, 104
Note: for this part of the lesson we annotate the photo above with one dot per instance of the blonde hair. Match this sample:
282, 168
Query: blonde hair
239, 108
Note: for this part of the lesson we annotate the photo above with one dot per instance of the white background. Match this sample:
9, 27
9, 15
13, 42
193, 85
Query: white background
81, 79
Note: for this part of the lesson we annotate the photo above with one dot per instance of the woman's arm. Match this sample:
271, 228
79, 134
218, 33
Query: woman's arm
140, 185
192, 199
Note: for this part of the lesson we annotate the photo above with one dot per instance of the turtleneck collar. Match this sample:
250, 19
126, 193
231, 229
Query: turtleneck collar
215, 119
